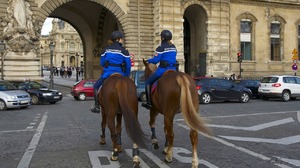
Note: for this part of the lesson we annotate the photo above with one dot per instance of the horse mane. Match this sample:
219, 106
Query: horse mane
152, 67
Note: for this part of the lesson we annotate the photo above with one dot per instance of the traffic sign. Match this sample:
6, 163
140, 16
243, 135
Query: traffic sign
295, 67
295, 54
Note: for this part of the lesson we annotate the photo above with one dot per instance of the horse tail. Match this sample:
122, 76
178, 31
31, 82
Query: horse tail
188, 107
132, 125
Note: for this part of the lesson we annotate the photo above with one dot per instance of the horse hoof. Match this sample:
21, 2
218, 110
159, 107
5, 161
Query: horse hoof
136, 165
102, 142
155, 146
114, 158
168, 160
165, 151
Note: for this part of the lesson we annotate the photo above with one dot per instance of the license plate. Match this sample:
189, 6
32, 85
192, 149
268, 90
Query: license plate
266, 90
56, 97
24, 101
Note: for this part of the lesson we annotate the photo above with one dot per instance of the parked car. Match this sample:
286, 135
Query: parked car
250, 84
139, 80
11, 97
39, 93
217, 89
83, 89
285, 87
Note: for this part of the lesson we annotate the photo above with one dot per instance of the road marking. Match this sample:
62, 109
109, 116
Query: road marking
94, 158
30, 127
177, 150
281, 141
290, 161
254, 114
26, 159
257, 155
16, 131
155, 159
256, 127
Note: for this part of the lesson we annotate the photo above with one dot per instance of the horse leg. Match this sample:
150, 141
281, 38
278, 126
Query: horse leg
103, 126
113, 136
169, 138
135, 155
119, 131
154, 141
194, 141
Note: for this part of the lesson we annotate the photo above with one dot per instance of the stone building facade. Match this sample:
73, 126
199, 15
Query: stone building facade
68, 46
208, 33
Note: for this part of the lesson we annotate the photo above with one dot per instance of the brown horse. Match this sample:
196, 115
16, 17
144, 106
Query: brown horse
175, 92
118, 98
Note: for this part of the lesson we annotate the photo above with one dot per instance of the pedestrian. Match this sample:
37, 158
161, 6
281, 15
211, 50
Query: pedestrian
114, 59
232, 77
165, 55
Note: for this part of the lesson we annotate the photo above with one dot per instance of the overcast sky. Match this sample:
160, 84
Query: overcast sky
47, 27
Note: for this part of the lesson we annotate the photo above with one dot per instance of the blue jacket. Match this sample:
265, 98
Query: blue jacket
165, 52
115, 55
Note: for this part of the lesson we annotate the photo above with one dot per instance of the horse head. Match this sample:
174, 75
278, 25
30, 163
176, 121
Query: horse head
149, 68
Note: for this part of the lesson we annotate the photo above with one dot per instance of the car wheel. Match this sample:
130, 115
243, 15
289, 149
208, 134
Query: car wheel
205, 98
82, 96
286, 96
35, 99
143, 97
2, 105
52, 102
244, 97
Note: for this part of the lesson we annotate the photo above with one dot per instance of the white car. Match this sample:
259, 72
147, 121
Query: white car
285, 87
11, 97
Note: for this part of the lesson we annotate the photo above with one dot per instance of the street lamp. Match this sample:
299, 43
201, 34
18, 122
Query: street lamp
77, 69
42, 69
51, 47
2, 48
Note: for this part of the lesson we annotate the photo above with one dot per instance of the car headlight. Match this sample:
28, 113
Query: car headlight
59, 93
47, 94
12, 97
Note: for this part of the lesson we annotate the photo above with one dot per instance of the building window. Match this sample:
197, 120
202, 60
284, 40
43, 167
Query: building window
72, 47
275, 41
246, 39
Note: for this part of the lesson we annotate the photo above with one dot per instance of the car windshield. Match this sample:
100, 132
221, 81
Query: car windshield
269, 80
35, 85
141, 77
4, 86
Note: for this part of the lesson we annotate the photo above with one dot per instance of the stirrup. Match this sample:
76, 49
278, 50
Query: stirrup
95, 109
147, 105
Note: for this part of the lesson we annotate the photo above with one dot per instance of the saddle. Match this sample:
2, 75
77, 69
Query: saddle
113, 74
154, 85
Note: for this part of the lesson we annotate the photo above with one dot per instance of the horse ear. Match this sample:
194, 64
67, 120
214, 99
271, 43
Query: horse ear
145, 62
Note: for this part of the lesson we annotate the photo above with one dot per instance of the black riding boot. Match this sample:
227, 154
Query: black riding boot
95, 108
148, 104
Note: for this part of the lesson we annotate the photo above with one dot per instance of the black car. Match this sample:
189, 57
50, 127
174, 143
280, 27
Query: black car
250, 84
38, 92
213, 89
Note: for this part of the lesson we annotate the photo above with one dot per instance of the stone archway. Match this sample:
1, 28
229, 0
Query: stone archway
195, 40
94, 26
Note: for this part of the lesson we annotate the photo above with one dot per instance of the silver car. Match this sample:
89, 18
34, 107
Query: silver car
11, 97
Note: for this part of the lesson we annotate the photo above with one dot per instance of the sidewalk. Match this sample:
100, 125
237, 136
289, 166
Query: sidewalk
58, 80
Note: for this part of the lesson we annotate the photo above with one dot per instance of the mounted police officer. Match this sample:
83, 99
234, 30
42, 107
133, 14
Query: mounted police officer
165, 55
114, 59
